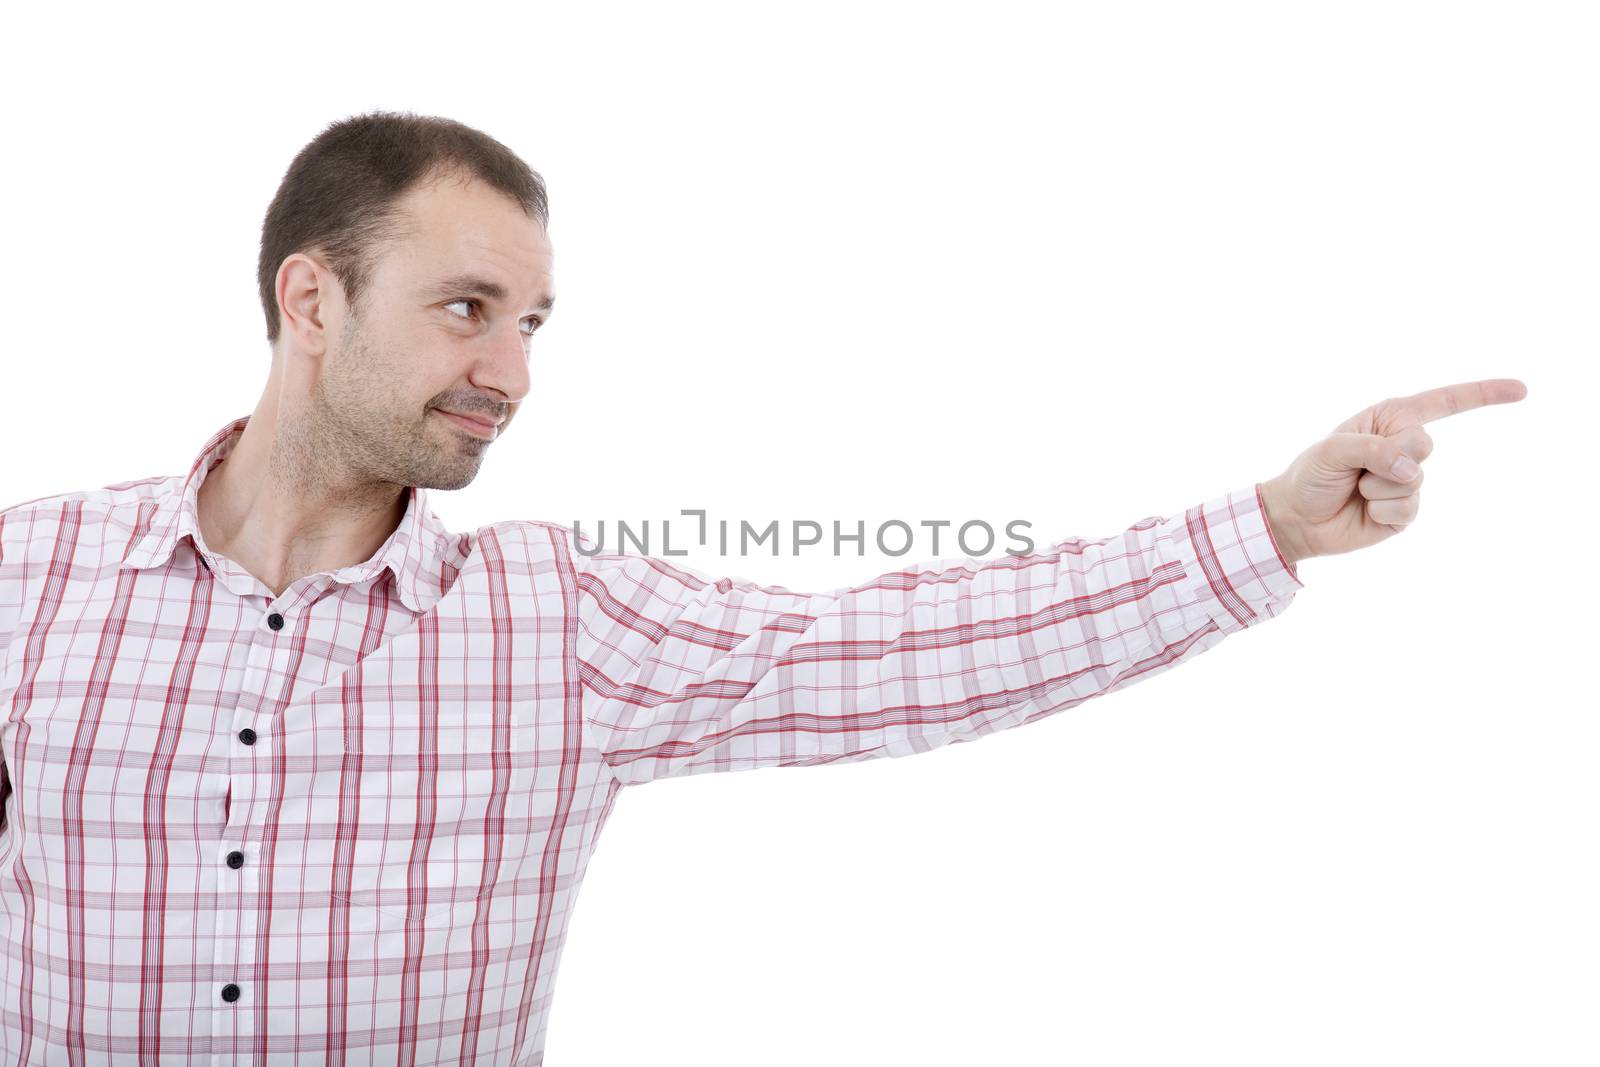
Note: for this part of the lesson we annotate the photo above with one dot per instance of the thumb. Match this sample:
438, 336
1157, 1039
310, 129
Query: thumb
1394, 458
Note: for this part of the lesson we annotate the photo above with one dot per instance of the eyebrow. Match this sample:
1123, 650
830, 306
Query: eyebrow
472, 285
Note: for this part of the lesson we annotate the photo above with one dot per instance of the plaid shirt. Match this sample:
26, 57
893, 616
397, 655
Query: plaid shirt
348, 823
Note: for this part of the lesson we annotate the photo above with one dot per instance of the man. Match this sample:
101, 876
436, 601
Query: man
293, 774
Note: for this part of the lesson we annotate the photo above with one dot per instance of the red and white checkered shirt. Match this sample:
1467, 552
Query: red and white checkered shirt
348, 823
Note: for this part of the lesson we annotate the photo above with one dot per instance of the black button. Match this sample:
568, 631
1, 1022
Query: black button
275, 621
230, 992
247, 735
236, 860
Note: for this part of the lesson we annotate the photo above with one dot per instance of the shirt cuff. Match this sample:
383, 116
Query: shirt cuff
1234, 572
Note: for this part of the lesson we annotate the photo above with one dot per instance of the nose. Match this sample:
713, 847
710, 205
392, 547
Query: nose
503, 367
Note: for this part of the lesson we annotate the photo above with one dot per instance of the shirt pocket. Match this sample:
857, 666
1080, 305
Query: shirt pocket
430, 862
442, 906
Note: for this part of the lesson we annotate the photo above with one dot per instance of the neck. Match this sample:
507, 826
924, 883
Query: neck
288, 501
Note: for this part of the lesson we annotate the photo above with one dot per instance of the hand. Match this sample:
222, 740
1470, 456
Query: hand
1343, 492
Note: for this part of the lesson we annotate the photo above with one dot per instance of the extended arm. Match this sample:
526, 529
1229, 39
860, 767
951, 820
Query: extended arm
684, 674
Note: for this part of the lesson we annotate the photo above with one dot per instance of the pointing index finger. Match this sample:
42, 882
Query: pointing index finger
1464, 396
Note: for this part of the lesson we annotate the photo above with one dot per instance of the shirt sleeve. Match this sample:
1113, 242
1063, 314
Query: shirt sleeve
11, 579
683, 673
11, 575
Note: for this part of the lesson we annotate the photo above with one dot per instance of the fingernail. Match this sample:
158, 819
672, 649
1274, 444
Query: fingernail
1405, 468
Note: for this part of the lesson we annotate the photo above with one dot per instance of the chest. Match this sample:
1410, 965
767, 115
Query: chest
379, 755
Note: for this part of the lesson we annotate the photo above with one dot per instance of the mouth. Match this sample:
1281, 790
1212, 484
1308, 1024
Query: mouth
483, 429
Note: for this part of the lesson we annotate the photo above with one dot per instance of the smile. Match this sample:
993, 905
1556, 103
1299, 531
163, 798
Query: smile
477, 429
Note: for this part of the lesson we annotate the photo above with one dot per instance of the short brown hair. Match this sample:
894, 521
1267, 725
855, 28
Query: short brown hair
338, 196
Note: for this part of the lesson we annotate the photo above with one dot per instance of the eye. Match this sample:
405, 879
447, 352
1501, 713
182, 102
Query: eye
531, 323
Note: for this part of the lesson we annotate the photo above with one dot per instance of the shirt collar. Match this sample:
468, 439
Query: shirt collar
411, 553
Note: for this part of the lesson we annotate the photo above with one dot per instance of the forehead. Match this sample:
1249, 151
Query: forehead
455, 227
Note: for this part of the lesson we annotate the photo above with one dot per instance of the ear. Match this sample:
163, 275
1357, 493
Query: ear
309, 296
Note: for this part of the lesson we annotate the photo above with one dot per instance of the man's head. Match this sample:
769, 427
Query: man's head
404, 266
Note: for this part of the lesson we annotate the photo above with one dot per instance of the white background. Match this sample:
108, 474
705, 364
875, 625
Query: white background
1076, 263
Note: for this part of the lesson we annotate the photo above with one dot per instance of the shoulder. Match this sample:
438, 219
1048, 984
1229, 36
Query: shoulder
551, 548
532, 535
110, 507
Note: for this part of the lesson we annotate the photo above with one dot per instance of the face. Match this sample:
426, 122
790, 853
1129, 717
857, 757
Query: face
444, 324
